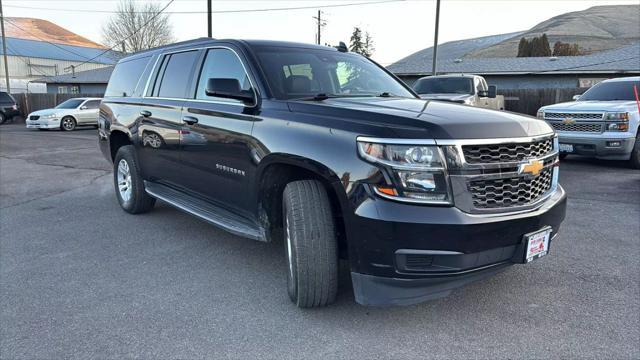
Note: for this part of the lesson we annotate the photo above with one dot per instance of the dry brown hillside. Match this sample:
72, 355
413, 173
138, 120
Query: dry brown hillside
38, 29
595, 29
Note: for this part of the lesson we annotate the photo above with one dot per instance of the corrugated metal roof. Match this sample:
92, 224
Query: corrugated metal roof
625, 59
97, 76
45, 50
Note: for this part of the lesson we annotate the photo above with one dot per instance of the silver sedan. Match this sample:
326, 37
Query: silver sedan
66, 116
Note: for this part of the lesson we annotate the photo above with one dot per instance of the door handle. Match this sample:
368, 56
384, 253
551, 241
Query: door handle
145, 113
190, 120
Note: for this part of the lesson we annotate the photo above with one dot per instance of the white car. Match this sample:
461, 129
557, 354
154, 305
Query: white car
602, 123
66, 116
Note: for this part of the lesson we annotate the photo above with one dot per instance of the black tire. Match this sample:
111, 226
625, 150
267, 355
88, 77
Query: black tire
311, 246
634, 162
3, 118
563, 156
72, 124
138, 200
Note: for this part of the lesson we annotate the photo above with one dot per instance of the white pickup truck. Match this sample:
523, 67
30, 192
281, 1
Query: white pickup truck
602, 123
462, 88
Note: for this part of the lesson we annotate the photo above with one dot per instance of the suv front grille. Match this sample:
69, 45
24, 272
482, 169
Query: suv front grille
510, 192
574, 116
498, 153
581, 127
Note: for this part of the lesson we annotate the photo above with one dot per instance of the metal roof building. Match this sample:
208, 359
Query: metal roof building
30, 59
523, 72
83, 82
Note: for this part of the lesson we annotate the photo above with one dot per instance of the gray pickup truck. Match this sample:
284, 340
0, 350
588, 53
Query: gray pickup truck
461, 88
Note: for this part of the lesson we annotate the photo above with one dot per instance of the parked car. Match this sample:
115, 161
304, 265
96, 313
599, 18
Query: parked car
66, 116
464, 89
602, 123
8, 107
262, 139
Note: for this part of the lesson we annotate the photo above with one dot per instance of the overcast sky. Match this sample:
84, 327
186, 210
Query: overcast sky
398, 28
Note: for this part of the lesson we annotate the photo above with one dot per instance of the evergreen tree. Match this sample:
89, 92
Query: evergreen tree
361, 43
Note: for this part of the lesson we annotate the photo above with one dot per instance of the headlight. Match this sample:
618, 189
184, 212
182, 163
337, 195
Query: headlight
617, 116
51, 116
618, 126
540, 114
417, 171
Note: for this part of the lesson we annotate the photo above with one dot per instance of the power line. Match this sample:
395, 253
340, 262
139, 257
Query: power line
306, 7
128, 37
48, 42
31, 66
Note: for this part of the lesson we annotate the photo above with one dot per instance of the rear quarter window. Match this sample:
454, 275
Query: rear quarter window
125, 77
6, 98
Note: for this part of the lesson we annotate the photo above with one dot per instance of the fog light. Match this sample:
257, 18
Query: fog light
614, 143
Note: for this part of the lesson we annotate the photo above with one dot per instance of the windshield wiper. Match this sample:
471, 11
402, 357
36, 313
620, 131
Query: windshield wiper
318, 97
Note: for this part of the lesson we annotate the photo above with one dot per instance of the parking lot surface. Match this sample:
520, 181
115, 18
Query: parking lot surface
80, 278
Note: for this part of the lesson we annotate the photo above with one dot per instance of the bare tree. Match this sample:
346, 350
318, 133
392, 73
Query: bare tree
126, 30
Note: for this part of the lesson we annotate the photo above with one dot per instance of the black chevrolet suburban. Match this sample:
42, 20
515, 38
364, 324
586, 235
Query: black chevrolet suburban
334, 155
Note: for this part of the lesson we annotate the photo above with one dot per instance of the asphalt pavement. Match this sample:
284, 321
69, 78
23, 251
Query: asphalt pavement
80, 278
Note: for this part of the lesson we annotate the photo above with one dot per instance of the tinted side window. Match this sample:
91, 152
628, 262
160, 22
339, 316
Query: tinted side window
6, 98
92, 104
175, 78
225, 64
125, 77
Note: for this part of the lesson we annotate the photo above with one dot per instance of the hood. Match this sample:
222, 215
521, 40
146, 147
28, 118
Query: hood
591, 105
405, 117
46, 112
446, 97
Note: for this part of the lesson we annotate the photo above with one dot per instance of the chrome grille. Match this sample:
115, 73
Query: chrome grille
498, 153
574, 116
581, 127
510, 192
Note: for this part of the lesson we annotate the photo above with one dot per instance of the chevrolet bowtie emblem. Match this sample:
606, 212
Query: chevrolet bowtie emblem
568, 121
533, 167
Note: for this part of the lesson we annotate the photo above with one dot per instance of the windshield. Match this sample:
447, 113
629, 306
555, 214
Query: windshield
300, 73
610, 91
447, 85
70, 104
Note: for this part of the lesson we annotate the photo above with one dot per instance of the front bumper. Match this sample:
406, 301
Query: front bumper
41, 123
449, 248
598, 146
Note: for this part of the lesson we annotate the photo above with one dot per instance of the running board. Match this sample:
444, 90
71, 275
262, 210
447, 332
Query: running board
206, 211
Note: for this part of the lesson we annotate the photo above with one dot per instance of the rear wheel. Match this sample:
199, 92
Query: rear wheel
68, 123
635, 154
310, 244
3, 118
129, 184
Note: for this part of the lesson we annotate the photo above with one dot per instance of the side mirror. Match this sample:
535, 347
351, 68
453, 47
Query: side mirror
576, 97
228, 89
493, 91
83, 107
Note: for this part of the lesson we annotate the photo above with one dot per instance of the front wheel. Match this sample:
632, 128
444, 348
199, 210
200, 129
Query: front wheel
68, 123
634, 162
310, 244
129, 184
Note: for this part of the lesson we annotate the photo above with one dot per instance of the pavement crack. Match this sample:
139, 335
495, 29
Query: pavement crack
91, 182
35, 162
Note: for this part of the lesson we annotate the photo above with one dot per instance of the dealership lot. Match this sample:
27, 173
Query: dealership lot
166, 285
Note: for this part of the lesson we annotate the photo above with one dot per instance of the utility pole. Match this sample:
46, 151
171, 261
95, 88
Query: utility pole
321, 24
435, 41
209, 25
4, 49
